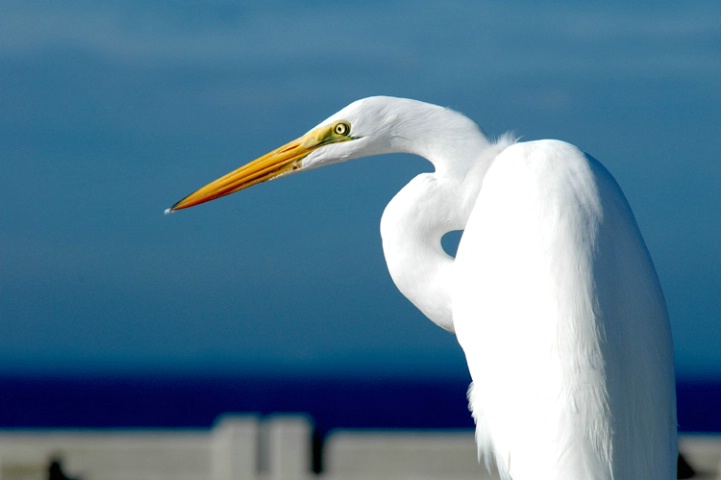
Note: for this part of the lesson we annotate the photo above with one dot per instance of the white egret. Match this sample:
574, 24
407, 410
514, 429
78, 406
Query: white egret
552, 294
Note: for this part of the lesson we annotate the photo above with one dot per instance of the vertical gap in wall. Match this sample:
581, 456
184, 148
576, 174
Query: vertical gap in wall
317, 452
262, 441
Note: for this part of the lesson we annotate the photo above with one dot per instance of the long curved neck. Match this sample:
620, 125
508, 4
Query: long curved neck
419, 267
431, 205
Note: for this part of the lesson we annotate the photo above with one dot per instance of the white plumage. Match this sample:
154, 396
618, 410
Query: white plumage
552, 294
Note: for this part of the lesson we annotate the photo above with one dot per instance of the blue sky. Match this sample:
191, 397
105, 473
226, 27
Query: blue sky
111, 112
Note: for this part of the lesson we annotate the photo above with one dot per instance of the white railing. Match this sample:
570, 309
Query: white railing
278, 447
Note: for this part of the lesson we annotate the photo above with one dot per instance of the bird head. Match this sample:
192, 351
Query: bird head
361, 129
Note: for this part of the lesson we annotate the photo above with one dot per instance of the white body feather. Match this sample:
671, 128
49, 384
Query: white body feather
564, 326
553, 297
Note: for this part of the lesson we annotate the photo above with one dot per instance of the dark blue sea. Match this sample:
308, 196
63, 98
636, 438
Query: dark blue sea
131, 401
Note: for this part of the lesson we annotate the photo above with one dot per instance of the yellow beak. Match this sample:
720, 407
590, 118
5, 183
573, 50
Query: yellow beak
282, 160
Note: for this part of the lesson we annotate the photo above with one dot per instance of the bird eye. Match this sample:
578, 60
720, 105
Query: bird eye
341, 128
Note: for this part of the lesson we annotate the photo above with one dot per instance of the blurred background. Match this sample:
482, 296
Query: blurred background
278, 298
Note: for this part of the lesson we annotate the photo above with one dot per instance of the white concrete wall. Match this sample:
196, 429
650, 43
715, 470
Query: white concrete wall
239, 447
245, 447
424, 454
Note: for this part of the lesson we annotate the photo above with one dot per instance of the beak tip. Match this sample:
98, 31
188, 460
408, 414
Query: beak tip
168, 211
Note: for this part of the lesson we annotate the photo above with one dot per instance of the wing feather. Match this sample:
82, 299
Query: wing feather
560, 314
